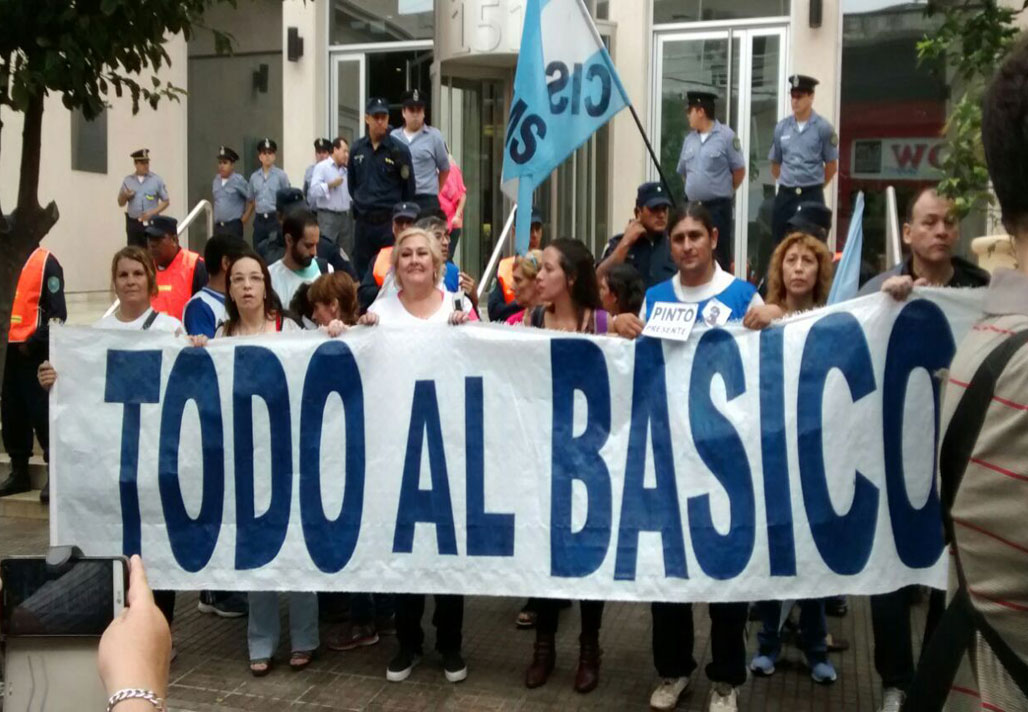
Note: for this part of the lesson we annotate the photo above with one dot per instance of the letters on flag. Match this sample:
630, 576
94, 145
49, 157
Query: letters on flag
793, 462
565, 88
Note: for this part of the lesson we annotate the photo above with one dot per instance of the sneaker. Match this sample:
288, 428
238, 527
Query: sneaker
386, 625
823, 673
353, 637
665, 697
723, 698
400, 667
892, 700
454, 667
763, 665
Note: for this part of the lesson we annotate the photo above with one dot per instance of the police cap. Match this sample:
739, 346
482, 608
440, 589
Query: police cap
287, 198
376, 105
142, 154
161, 225
811, 218
414, 97
267, 144
227, 154
406, 211
537, 217
650, 195
802, 82
322, 145
700, 98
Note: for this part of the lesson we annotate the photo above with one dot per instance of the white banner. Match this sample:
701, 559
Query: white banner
790, 463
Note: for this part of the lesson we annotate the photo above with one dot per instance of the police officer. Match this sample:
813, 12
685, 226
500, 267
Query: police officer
428, 153
713, 168
265, 182
145, 195
322, 149
812, 218
232, 206
24, 404
329, 197
804, 155
644, 243
380, 175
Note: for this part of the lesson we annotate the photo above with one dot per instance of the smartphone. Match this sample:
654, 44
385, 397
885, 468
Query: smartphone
79, 598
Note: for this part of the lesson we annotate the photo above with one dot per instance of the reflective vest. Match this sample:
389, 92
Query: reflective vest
175, 284
25, 312
383, 263
505, 276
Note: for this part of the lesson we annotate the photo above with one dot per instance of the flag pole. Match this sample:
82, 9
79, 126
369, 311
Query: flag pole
653, 156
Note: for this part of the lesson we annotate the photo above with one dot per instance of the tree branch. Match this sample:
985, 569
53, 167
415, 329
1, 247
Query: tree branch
31, 141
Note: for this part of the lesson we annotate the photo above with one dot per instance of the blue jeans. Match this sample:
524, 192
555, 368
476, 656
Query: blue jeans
813, 629
262, 629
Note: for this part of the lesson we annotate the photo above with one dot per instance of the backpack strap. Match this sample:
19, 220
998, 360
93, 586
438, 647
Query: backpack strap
537, 318
600, 316
955, 632
150, 319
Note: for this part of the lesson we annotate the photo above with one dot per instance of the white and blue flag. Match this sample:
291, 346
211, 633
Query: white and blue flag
847, 273
565, 89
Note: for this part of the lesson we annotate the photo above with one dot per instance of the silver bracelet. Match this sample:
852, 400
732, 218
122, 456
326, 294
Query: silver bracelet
136, 694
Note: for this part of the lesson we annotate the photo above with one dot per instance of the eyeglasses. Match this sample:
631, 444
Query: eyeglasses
239, 280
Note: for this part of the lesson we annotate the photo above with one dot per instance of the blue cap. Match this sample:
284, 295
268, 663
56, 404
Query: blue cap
287, 198
650, 195
537, 217
408, 211
376, 105
161, 225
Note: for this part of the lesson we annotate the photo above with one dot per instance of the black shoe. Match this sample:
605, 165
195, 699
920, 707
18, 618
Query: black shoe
454, 667
836, 606
224, 605
44, 494
400, 667
17, 481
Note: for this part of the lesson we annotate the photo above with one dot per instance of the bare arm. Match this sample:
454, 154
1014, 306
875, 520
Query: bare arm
443, 175
738, 176
831, 168
161, 207
776, 170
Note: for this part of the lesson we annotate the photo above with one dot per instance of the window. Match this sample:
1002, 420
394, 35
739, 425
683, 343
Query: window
670, 11
360, 21
88, 142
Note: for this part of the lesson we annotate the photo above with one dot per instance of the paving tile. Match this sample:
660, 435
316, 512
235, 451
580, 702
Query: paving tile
210, 673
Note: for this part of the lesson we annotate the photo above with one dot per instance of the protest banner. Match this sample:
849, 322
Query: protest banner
789, 463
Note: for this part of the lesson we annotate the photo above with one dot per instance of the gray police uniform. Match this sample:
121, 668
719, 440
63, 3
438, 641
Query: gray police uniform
149, 192
707, 166
429, 157
377, 180
307, 184
802, 155
230, 198
262, 191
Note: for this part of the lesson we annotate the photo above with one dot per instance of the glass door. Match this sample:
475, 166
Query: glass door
347, 97
745, 68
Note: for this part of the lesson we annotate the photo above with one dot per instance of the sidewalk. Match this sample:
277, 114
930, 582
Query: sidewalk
211, 673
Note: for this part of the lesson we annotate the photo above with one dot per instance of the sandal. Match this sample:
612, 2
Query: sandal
299, 659
526, 619
260, 667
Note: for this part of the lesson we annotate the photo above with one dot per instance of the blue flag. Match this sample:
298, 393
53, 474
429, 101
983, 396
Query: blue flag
847, 273
565, 89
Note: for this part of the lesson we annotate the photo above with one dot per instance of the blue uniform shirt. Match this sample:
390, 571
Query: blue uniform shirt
428, 155
803, 154
263, 188
230, 198
651, 255
707, 165
149, 191
379, 178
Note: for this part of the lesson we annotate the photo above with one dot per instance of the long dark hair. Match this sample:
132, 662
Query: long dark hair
272, 305
580, 269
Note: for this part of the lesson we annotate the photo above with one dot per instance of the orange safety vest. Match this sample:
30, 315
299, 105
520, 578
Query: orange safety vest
505, 276
383, 263
25, 312
175, 284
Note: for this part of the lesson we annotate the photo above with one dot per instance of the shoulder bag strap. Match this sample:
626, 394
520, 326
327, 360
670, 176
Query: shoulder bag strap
150, 319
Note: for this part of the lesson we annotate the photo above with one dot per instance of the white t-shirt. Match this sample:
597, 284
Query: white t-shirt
285, 281
163, 322
287, 325
390, 310
694, 295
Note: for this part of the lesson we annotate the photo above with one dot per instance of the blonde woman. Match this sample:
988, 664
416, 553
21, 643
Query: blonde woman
526, 269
